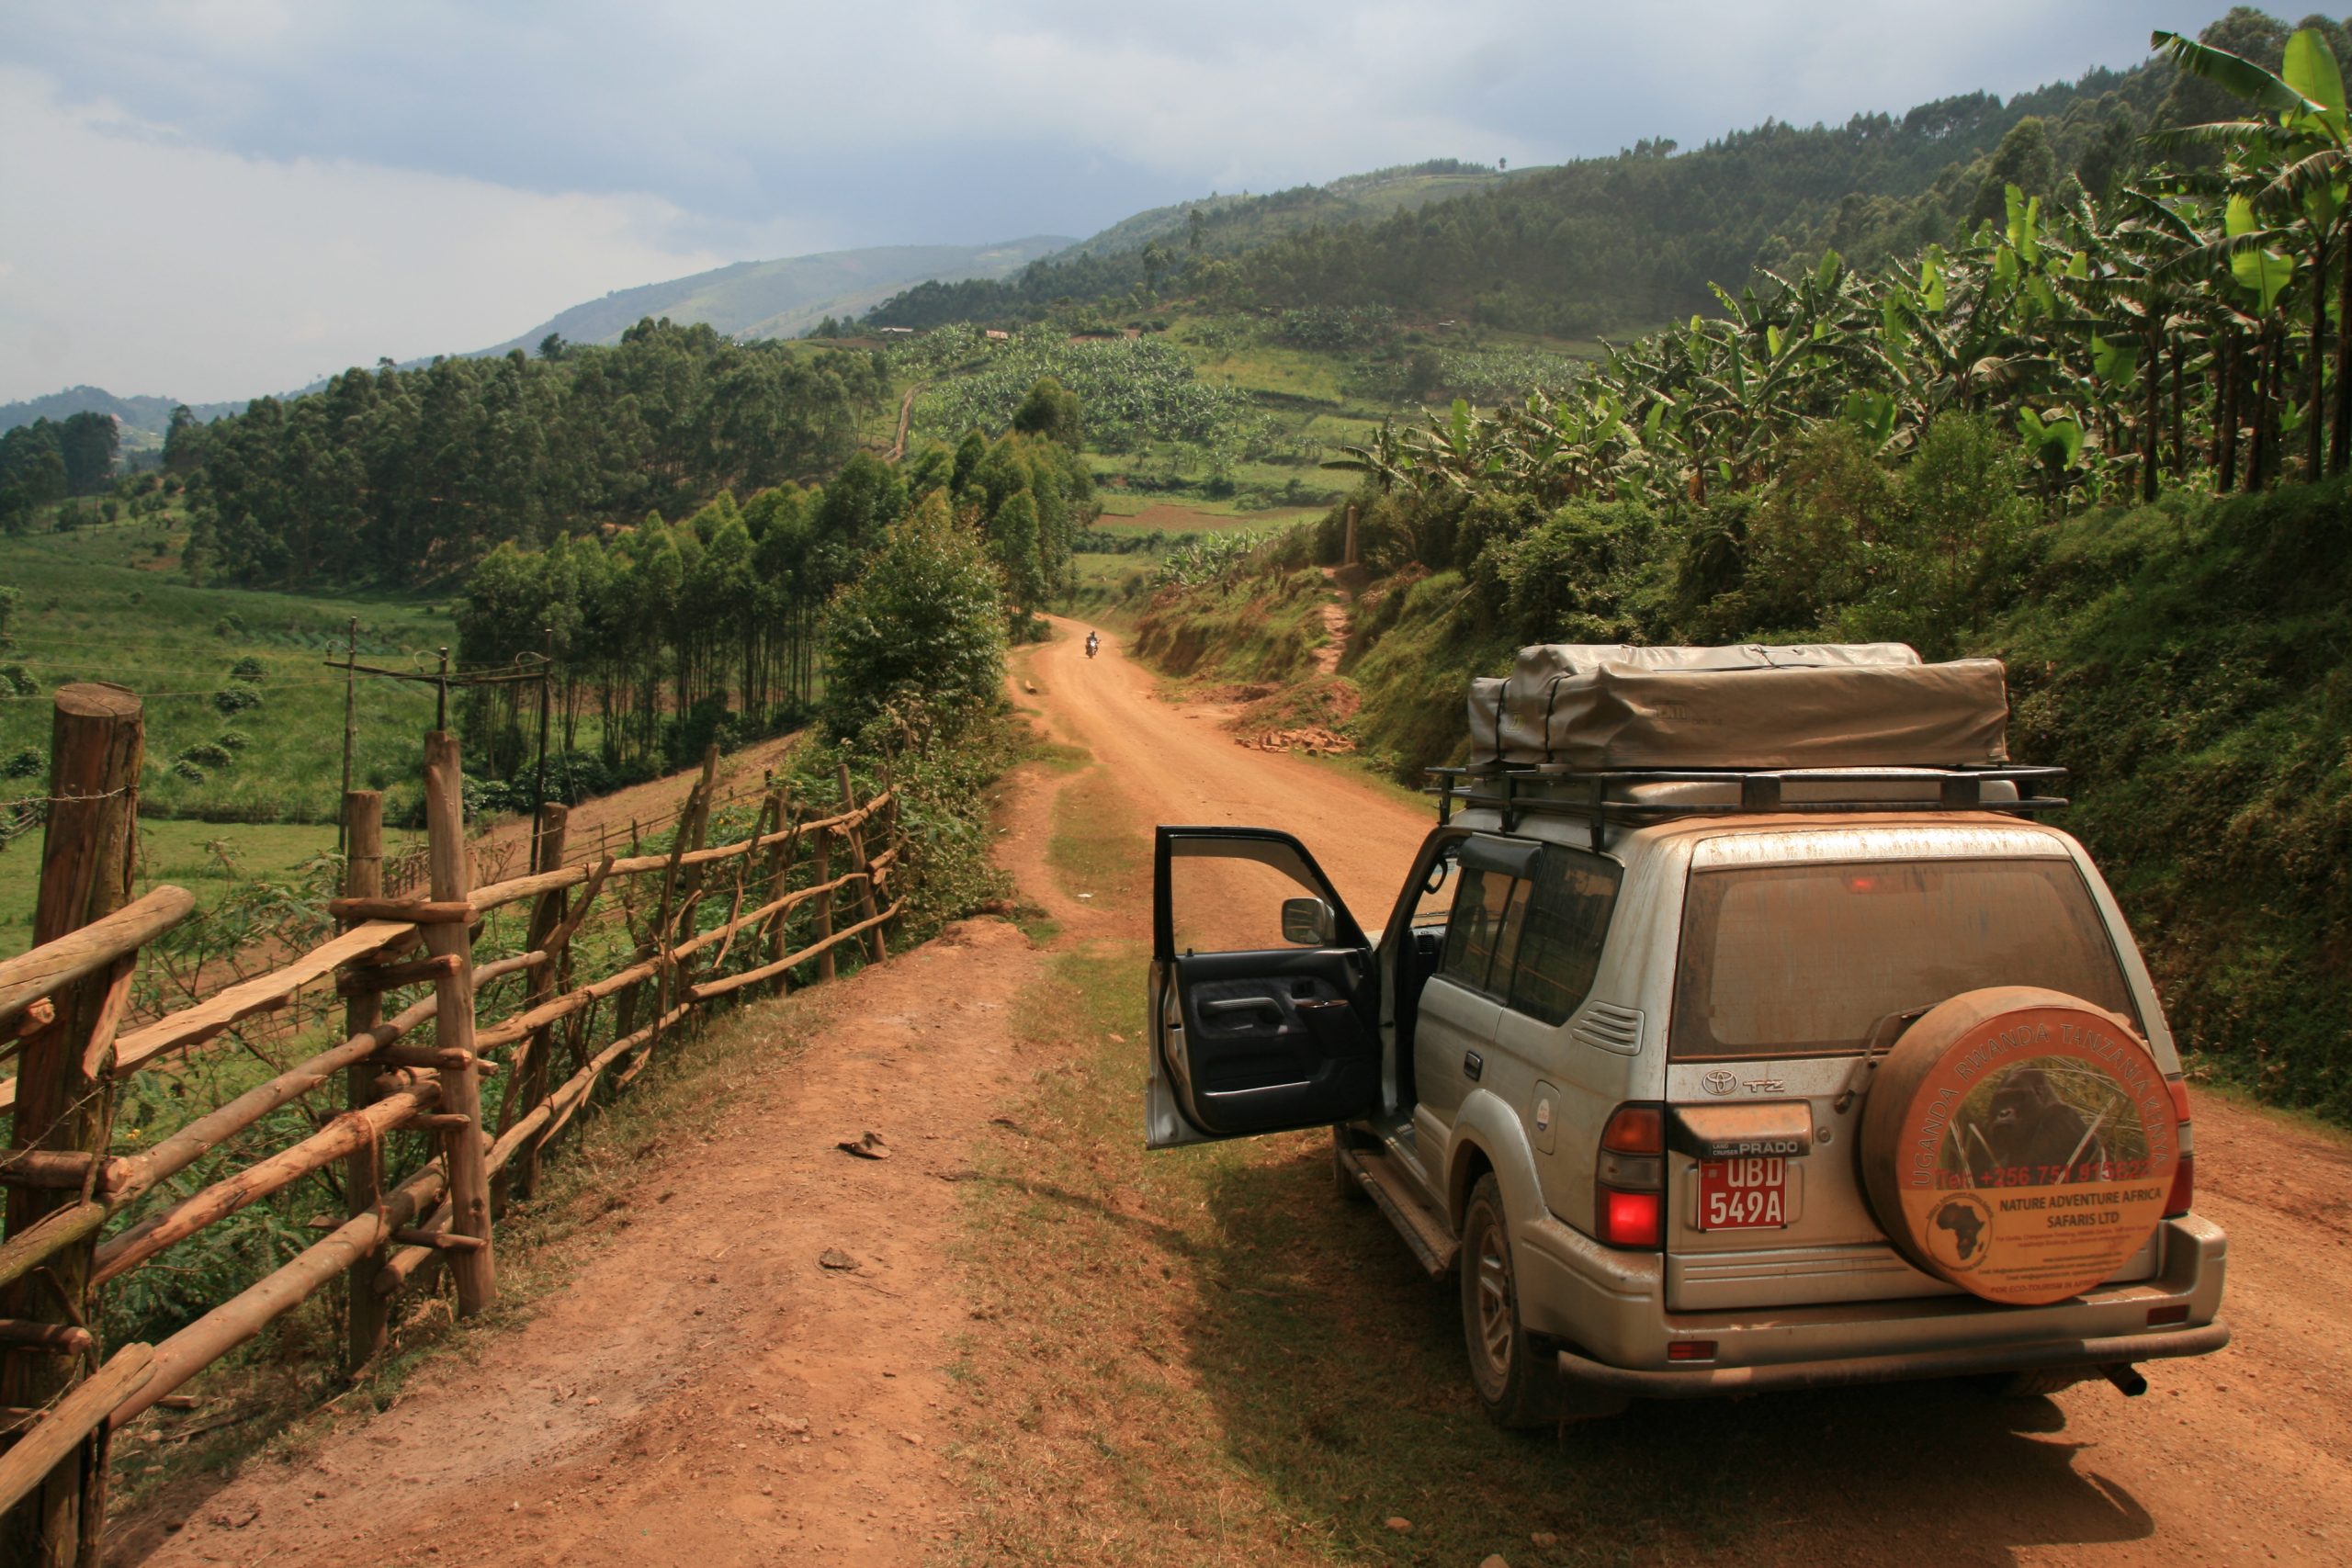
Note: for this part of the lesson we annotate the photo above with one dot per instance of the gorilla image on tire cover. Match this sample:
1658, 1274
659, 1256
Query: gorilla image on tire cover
2027, 1125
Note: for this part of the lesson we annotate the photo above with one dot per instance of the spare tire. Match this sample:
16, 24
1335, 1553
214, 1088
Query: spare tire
2019, 1142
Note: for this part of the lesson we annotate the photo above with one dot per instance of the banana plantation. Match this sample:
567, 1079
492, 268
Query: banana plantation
2186, 332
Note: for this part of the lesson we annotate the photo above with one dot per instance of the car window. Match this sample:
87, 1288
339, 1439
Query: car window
1805, 960
1474, 933
1434, 900
1566, 922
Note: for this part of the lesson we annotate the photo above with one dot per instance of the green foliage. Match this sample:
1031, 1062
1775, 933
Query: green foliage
248, 669
1209, 558
235, 697
923, 626
405, 477
1133, 389
1053, 413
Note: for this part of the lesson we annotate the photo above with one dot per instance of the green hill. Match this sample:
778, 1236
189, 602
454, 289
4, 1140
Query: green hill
784, 297
1599, 244
144, 420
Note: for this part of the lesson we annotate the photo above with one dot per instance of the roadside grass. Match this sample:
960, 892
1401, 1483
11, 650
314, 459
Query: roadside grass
1264, 630
1097, 850
1201, 1355
1111, 589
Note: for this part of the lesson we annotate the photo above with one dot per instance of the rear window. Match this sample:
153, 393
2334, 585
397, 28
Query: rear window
1805, 960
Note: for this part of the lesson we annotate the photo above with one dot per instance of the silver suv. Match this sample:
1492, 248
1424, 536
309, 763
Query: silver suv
1715, 1083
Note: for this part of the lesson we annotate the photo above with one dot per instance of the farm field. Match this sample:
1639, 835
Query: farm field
109, 603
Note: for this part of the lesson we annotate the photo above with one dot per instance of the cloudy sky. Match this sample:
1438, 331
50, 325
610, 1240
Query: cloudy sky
214, 198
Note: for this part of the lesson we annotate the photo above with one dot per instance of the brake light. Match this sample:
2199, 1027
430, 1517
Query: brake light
1630, 1176
1629, 1219
1690, 1350
2180, 1099
2183, 1188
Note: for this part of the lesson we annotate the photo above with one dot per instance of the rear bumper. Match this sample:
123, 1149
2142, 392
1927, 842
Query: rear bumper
1609, 1306
1708, 1382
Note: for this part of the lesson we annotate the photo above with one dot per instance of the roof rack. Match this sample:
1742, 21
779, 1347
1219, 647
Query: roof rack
1599, 796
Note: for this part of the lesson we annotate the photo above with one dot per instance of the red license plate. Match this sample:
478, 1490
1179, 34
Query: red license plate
1750, 1193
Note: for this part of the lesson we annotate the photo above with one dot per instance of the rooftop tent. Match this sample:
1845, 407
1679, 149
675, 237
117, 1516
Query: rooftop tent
1588, 707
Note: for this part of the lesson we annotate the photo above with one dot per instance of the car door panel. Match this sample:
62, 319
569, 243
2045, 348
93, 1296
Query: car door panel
1259, 1040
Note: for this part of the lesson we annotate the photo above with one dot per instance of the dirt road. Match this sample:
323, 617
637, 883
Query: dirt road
707, 1392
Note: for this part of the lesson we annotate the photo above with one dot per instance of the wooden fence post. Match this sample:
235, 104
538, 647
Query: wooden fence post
547, 845
365, 1313
64, 1093
824, 902
779, 868
855, 836
474, 1269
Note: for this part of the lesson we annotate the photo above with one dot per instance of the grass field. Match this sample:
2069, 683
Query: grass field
209, 858
110, 603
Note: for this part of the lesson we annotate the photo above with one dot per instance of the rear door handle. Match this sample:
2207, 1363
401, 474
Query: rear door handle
1473, 1065
1239, 1004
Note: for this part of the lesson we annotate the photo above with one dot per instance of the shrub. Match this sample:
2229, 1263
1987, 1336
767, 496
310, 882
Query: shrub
183, 768
926, 621
232, 741
248, 669
207, 754
26, 764
236, 698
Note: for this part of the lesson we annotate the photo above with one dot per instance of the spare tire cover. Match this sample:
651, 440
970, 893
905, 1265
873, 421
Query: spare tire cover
2019, 1142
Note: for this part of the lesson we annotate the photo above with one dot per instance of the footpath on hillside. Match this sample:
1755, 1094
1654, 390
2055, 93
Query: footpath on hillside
774, 1360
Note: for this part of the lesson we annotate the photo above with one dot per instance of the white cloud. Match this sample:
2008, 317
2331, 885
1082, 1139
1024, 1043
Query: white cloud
143, 263
215, 196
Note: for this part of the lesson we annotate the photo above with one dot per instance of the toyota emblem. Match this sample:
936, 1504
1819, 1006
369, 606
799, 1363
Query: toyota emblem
1720, 1081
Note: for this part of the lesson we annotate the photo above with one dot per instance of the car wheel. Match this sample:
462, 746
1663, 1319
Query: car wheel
1345, 1183
1513, 1377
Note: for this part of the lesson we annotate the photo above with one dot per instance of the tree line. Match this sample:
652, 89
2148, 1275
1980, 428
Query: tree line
48, 460
669, 635
407, 476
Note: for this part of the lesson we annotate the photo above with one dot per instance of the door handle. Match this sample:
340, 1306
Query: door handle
1473, 1065
1241, 1004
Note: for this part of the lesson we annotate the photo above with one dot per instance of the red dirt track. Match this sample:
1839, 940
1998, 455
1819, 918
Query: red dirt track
705, 1392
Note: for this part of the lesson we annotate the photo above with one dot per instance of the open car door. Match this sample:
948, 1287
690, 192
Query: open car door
1262, 991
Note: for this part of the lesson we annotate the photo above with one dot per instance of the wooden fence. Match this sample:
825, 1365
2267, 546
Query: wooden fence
63, 1011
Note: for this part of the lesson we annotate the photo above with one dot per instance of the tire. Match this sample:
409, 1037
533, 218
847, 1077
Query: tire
2042, 1095
1512, 1375
1346, 1185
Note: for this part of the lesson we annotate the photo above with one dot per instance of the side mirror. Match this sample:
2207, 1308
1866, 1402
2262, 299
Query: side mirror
1309, 922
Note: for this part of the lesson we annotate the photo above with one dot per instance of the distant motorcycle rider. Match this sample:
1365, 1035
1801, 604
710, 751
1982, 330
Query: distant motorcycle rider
1094, 642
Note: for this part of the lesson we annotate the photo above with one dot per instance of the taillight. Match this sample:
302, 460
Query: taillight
1630, 1176
1631, 1219
2183, 1188
2184, 1175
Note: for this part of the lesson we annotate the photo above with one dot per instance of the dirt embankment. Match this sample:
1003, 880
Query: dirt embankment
708, 1392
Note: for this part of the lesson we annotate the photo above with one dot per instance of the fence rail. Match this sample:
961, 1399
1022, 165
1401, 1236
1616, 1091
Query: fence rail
61, 1004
